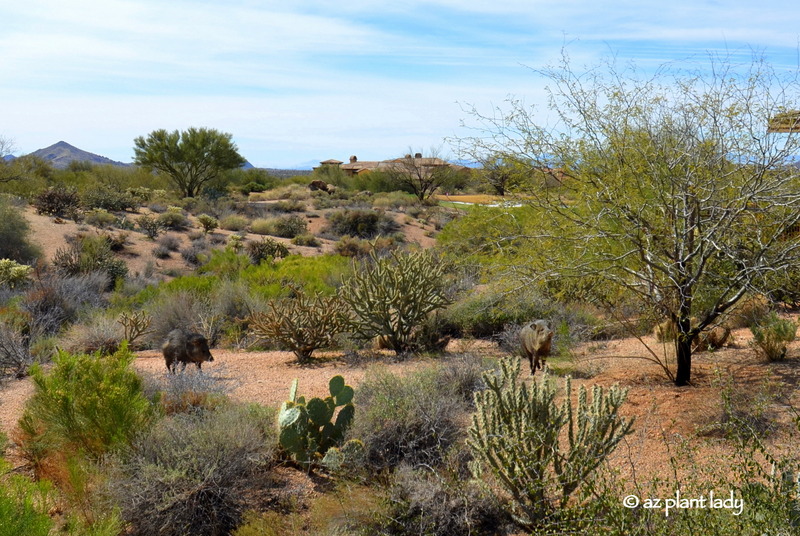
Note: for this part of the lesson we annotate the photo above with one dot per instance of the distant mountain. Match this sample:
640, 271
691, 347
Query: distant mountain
9, 157
62, 153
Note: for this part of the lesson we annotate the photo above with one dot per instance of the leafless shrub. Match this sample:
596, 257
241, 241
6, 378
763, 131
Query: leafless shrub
15, 355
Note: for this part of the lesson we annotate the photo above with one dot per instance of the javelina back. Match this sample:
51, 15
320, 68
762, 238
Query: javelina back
185, 347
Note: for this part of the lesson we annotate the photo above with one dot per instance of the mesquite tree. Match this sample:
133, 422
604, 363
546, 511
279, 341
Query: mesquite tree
672, 188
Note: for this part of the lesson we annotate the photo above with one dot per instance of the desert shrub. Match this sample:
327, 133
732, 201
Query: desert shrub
174, 218
265, 249
189, 392
289, 205
539, 451
150, 226
57, 300
58, 201
196, 253
771, 336
15, 354
98, 333
360, 223
109, 198
234, 222
170, 242
392, 295
208, 223
24, 505
748, 312
161, 252
15, 241
412, 419
306, 239
99, 217
423, 502
90, 254
13, 274
91, 404
348, 246
178, 309
303, 323
194, 473
284, 227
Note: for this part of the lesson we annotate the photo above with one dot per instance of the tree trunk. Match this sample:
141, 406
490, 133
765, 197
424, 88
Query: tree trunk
683, 351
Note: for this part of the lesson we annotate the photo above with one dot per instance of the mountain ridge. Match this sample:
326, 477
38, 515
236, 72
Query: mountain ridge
62, 154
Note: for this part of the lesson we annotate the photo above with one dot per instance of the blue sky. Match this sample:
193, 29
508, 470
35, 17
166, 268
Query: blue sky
303, 81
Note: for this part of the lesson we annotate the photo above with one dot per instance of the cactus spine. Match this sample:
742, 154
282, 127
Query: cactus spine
308, 429
518, 433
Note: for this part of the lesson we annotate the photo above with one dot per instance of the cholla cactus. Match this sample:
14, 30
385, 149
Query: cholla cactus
390, 296
12, 273
302, 324
135, 325
518, 433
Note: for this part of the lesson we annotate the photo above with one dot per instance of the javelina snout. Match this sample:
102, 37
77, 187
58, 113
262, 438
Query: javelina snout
185, 347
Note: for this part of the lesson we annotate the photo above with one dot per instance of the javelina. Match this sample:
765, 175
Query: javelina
535, 338
182, 346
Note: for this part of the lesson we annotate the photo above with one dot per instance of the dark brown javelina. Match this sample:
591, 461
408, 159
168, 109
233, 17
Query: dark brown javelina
185, 347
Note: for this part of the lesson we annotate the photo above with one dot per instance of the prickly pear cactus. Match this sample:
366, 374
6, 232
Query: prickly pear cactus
309, 429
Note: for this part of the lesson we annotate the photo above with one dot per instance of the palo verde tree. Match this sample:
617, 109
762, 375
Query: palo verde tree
192, 158
672, 189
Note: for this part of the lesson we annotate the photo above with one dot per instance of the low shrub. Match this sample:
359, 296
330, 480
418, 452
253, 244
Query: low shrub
195, 473
161, 252
90, 254
15, 354
772, 335
98, 333
360, 223
174, 219
110, 199
189, 392
100, 217
24, 505
15, 241
91, 404
347, 246
150, 226
196, 254
170, 242
57, 300
289, 205
307, 240
265, 249
412, 419
234, 222
58, 201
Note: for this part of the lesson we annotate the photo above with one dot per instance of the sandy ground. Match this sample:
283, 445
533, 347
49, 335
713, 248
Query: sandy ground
665, 415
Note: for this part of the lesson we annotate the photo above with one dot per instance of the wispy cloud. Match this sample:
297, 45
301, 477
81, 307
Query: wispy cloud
313, 79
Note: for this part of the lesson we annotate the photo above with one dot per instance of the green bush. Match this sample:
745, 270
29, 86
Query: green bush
109, 198
307, 240
13, 274
539, 451
195, 473
174, 219
360, 223
91, 404
771, 336
391, 296
234, 222
24, 505
15, 241
100, 217
150, 226
284, 226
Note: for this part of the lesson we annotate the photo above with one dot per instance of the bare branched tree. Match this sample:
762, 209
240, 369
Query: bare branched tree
673, 189
421, 175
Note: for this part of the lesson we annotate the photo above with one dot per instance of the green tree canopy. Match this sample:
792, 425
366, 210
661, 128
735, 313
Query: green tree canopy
672, 188
191, 158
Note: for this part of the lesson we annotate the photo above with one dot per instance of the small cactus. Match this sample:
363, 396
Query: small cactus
308, 429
